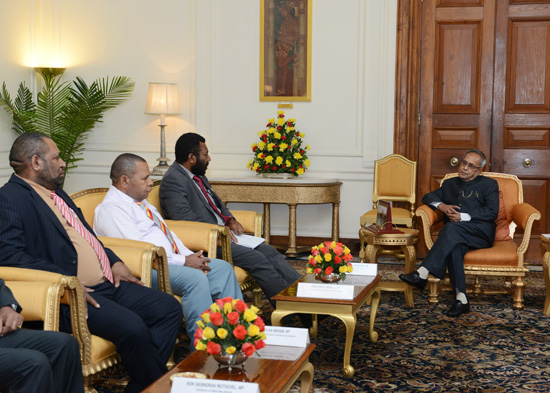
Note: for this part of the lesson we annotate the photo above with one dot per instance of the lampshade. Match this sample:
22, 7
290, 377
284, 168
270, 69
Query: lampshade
163, 99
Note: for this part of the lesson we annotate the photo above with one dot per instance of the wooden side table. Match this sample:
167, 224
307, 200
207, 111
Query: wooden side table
405, 241
546, 272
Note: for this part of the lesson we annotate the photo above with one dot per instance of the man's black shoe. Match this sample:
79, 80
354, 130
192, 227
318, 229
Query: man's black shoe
458, 309
414, 280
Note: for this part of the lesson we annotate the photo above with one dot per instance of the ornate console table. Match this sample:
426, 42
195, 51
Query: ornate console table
291, 192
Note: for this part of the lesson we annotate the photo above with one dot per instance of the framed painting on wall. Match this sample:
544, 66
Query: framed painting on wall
285, 50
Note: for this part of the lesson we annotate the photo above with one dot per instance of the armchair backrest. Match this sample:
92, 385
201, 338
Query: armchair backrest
154, 198
394, 180
510, 185
87, 201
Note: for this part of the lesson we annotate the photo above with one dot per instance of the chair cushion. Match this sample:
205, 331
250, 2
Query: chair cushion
397, 214
503, 227
102, 349
503, 253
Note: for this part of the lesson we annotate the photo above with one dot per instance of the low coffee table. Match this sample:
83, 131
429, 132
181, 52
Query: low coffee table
346, 310
273, 376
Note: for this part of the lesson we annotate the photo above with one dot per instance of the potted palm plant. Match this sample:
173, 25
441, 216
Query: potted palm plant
65, 111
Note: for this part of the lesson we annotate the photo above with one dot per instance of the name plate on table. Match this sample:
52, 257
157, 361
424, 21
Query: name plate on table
194, 385
364, 269
325, 291
286, 336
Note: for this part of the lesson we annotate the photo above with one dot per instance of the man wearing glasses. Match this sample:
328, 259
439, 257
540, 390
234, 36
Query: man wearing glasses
469, 203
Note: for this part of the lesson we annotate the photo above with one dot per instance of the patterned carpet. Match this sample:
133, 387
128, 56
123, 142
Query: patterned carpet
492, 349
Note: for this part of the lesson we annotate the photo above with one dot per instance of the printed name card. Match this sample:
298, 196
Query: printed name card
195, 385
364, 269
325, 291
546, 235
286, 336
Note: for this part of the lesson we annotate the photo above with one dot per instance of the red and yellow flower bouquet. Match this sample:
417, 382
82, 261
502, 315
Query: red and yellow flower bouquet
230, 326
330, 258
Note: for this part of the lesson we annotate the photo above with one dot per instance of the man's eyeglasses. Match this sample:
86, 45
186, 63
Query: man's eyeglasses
469, 165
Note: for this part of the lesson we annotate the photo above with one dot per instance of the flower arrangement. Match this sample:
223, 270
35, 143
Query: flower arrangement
330, 258
230, 326
280, 148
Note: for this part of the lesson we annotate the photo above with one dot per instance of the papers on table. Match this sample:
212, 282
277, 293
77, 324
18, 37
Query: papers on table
195, 385
249, 240
546, 235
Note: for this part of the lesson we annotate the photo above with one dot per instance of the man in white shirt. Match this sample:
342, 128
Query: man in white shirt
125, 213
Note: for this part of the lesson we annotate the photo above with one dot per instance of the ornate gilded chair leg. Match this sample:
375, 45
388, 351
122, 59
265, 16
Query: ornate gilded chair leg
477, 286
257, 297
518, 286
433, 290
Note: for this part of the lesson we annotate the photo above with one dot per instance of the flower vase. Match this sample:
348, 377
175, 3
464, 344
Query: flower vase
329, 277
278, 175
225, 359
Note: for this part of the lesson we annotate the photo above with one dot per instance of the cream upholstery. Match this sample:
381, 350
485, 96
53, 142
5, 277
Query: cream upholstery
505, 258
394, 180
97, 354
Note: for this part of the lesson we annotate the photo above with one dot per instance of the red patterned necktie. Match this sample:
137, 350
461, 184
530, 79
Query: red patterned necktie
226, 219
161, 225
73, 221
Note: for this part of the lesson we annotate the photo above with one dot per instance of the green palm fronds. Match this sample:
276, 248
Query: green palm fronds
64, 111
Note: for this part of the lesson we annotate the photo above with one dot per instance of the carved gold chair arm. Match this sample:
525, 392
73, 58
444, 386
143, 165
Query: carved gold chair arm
429, 217
41, 301
524, 216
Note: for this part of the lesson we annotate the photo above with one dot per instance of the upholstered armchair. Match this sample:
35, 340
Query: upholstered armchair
97, 354
505, 258
195, 235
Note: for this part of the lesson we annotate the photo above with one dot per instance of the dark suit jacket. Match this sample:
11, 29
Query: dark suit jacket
180, 199
31, 234
479, 198
6, 296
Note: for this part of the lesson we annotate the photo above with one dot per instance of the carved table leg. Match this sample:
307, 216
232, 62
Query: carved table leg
410, 262
292, 251
267, 223
336, 221
546, 273
349, 322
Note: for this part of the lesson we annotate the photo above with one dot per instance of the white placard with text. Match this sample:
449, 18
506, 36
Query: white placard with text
325, 291
195, 385
364, 269
286, 336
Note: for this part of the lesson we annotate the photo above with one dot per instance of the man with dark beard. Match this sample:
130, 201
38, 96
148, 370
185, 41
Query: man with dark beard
186, 194
41, 228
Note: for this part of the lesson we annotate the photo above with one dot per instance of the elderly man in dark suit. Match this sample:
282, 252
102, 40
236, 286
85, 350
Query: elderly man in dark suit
35, 361
185, 194
469, 203
41, 228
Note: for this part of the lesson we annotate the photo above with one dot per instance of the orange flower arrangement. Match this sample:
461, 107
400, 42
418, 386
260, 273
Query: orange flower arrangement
229, 326
330, 258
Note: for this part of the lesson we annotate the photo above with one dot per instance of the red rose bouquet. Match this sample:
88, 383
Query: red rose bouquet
330, 258
230, 326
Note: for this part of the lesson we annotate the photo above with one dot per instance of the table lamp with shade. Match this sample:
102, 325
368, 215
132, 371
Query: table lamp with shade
162, 100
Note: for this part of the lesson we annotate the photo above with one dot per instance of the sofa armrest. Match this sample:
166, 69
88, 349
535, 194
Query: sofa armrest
428, 217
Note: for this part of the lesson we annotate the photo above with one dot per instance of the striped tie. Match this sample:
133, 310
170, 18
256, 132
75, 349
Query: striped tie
73, 221
161, 225
225, 218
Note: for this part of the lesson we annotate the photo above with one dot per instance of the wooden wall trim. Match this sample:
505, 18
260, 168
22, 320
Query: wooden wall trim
407, 78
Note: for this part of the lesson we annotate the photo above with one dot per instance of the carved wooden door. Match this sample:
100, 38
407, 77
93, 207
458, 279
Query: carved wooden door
485, 83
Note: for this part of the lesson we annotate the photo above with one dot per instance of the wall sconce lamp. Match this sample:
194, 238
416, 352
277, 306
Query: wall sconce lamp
162, 100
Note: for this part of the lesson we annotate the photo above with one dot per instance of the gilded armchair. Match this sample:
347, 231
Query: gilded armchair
97, 354
505, 258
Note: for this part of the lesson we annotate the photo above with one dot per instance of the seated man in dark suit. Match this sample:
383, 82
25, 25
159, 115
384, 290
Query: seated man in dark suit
185, 194
35, 361
470, 206
41, 228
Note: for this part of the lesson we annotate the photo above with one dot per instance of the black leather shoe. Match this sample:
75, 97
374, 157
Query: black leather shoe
458, 309
414, 280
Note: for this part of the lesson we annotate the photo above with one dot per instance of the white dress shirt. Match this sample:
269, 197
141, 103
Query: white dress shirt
120, 216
